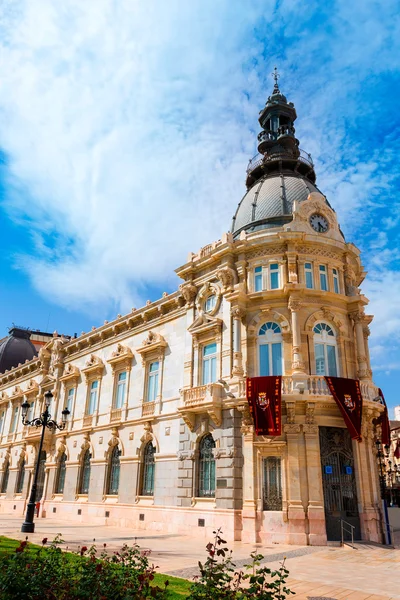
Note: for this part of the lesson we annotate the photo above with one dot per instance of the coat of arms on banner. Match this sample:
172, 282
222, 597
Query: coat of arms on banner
349, 402
263, 401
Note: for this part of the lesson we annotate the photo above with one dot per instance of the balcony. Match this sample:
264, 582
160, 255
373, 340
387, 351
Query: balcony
115, 415
202, 399
148, 409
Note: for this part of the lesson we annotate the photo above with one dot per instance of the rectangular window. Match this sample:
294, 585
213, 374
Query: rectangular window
94, 388
320, 359
1, 421
14, 420
336, 288
272, 492
264, 360
274, 276
323, 281
120, 390
331, 355
258, 275
209, 367
31, 411
70, 399
308, 270
152, 383
277, 359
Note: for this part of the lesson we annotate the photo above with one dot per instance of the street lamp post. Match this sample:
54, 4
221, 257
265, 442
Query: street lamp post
45, 420
381, 453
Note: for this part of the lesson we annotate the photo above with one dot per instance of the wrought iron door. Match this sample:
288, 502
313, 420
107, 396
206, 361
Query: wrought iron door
338, 479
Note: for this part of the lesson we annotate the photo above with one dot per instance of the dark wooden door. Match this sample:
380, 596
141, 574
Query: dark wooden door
339, 483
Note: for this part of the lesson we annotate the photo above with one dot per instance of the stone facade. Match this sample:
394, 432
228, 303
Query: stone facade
219, 302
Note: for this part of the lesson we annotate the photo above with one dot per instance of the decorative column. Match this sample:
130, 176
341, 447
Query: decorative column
297, 357
296, 515
358, 318
237, 315
315, 508
249, 511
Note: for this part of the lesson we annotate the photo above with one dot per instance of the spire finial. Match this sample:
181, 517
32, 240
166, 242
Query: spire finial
276, 76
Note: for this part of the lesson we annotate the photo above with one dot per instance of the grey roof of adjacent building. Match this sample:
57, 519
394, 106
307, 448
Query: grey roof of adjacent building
16, 349
269, 202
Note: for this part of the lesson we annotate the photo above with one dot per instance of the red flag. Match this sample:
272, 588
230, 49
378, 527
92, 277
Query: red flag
397, 450
384, 421
348, 397
264, 398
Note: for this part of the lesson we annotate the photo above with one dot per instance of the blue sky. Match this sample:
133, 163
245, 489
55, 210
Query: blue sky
123, 125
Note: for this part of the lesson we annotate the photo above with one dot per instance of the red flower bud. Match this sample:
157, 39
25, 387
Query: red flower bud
83, 550
44, 541
19, 549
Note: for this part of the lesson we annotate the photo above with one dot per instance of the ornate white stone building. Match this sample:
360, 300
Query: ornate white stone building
160, 435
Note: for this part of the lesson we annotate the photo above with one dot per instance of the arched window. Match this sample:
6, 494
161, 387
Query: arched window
270, 349
325, 348
206, 485
148, 470
84, 480
114, 469
60, 476
20, 479
4, 481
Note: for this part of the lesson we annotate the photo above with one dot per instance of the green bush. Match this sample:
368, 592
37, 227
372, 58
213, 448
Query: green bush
218, 579
48, 573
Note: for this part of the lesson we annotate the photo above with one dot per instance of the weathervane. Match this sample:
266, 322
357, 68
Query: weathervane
276, 76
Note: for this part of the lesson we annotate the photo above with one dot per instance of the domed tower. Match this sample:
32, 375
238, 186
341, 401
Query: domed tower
16, 349
284, 289
279, 174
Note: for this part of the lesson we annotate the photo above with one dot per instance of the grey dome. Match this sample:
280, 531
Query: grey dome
269, 202
16, 349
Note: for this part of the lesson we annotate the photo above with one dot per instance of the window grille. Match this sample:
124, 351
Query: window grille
148, 470
4, 481
85, 474
206, 467
20, 479
272, 490
114, 466
61, 469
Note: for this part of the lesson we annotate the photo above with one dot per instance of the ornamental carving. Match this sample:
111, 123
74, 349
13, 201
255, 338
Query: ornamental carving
310, 413
44, 358
189, 292
228, 277
112, 442
247, 426
71, 373
16, 392
324, 314
290, 412
61, 448
206, 290
6, 459
294, 304
121, 357
237, 312
85, 446
22, 455
94, 367
148, 433
3, 396
153, 345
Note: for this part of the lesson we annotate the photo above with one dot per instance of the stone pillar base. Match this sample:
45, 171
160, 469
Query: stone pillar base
297, 525
371, 526
249, 523
316, 526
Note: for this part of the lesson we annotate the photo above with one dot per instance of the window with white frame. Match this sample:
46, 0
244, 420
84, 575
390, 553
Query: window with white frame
70, 399
14, 420
209, 363
270, 350
325, 347
323, 279
210, 303
2, 415
336, 287
258, 279
31, 410
120, 390
153, 381
93, 397
267, 277
308, 275
274, 283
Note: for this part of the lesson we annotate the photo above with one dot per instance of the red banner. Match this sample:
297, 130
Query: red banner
397, 450
384, 421
264, 398
348, 397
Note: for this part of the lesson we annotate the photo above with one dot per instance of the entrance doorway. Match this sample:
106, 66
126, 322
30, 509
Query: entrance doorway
339, 483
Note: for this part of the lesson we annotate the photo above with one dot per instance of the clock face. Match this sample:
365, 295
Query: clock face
319, 223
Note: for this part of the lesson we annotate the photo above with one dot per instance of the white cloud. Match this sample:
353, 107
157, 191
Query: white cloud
129, 125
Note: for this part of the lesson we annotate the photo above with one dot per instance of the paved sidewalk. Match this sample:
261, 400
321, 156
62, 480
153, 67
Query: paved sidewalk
368, 573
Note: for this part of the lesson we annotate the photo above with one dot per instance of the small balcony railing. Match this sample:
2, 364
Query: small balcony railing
148, 409
259, 159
